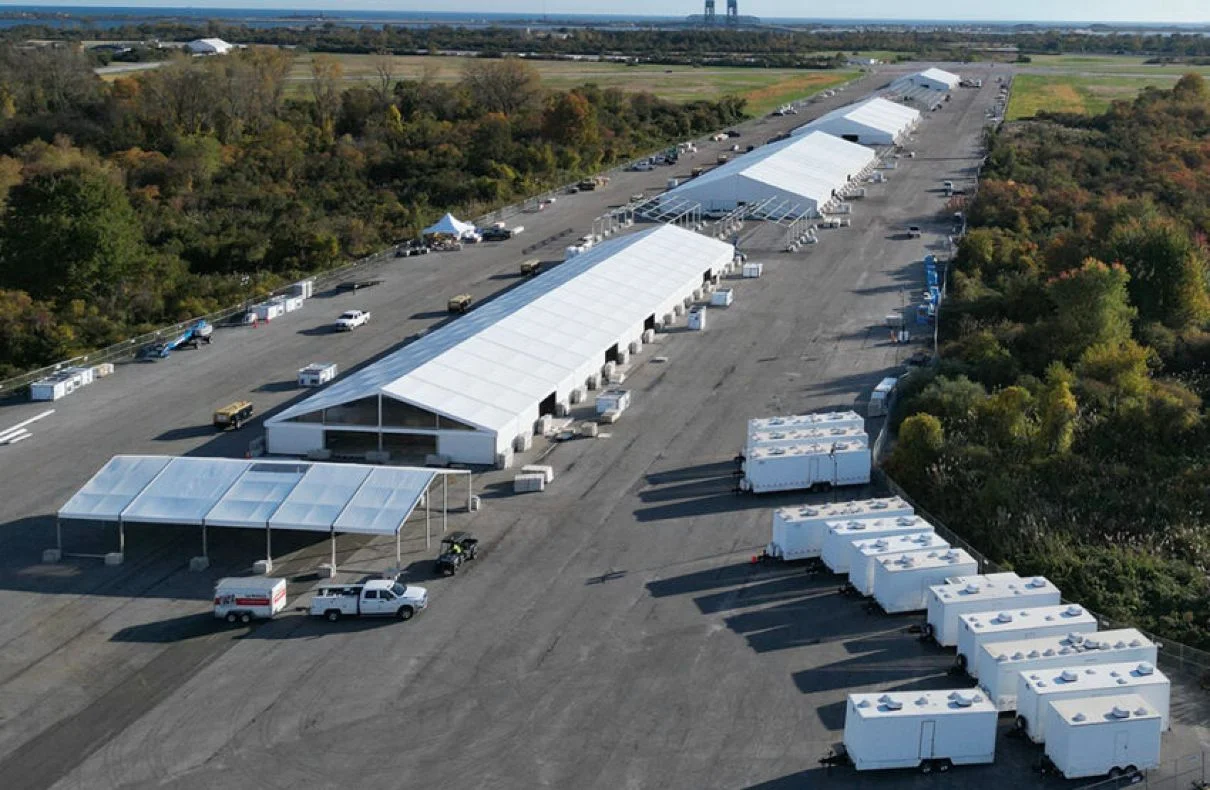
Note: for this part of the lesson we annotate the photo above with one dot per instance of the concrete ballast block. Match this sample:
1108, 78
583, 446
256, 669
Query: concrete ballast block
199, 564
114, 558
262, 567
51, 556
327, 571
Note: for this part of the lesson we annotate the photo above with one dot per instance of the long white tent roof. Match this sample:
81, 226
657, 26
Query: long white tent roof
810, 166
940, 75
229, 492
490, 365
875, 113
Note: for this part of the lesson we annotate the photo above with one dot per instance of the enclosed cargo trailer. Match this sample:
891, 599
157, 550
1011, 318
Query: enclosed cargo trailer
837, 542
1115, 736
798, 532
929, 729
946, 602
866, 553
1035, 690
794, 436
901, 581
805, 466
982, 628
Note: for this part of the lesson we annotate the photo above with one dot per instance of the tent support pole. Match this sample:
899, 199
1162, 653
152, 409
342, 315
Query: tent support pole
428, 541
268, 544
469, 486
445, 502
121, 537
59, 534
332, 536
398, 550
205, 553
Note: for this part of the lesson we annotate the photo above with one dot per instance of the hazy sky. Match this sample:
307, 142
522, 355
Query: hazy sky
1058, 10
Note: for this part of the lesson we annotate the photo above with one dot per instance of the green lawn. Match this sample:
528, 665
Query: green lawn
1072, 93
765, 89
1107, 64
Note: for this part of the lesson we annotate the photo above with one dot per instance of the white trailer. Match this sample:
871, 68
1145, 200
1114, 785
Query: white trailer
54, 387
828, 419
806, 466
1036, 690
866, 553
946, 602
919, 729
1000, 662
984, 628
807, 436
798, 532
881, 396
316, 374
1098, 736
837, 542
901, 580
245, 598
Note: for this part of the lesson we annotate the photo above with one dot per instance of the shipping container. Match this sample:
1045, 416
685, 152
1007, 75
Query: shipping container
925, 729
901, 581
838, 540
53, 387
946, 602
865, 553
982, 628
1035, 690
1001, 662
798, 532
1099, 736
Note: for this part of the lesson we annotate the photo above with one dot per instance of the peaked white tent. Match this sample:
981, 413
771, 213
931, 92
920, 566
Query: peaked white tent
467, 390
449, 225
874, 121
799, 174
935, 79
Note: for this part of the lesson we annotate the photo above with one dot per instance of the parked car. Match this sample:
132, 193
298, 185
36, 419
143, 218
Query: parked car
451, 558
531, 267
410, 248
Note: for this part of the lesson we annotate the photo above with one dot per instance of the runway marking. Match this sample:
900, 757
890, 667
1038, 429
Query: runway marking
7, 436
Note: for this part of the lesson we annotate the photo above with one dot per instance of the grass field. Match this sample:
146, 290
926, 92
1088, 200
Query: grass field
765, 89
1086, 95
1108, 64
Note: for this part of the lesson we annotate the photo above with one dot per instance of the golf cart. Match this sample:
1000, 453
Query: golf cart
449, 559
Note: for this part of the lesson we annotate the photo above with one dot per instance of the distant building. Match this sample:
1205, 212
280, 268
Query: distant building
209, 46
864, 61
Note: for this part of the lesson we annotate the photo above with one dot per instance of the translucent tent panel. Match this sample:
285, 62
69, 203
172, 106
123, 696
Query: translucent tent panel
320, 497
255, 497
382, 503
185, 491
113, 487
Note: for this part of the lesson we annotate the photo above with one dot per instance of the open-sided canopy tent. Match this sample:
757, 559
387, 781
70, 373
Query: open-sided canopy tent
449, 225
263, 494
472, 386
874, 121
801, 173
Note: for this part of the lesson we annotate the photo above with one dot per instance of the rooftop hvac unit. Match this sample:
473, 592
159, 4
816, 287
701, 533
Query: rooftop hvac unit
798, 532
947, 602
793, 436
984, 628
919, 728
1036, 690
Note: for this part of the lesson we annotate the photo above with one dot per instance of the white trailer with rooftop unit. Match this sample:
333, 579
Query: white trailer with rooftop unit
1099, 736
865, 553
807, 436
901, 581
838, 540
946, 602
984, 628
789, 422
798, 532
806, 466
1001, 662
1035, 690
930, 730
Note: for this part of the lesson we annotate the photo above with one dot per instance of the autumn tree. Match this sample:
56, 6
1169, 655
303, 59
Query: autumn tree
326, 76
1167, 270
509, 86
1091, 306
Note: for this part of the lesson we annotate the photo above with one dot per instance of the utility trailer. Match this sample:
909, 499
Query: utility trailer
795, 436
798, 532
984, 628
1036, 690
1102, 736
243, 599
947, 602
900, 581
865, 553
806, 466
1001, 662
837, 542
929, 730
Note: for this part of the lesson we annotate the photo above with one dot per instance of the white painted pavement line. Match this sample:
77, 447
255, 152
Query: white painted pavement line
19, 426
17, 437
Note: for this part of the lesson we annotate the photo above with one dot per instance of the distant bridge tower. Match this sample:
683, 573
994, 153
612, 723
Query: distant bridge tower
709, 16
732, 12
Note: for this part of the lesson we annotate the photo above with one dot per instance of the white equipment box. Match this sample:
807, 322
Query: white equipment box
1000, 662
1103, 735
798, 532
723, 297
751, 270
984, 628
696, 319
946, 602
805, 466
1036, 690
837, 542
316, 374
613, 400
267, 311
900, 581
59, 385
913, 728
527, 483
243, 599
548, 472
865, 553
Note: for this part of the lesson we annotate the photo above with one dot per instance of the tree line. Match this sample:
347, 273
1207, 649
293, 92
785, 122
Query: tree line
178, 191
1064, 431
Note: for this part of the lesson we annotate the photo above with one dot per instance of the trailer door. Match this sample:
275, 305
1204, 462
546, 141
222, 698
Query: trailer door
927, 730
1121, 748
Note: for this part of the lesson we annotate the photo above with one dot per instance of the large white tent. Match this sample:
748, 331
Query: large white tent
253, 494
799, 175
467, 390
874, 121
935, 79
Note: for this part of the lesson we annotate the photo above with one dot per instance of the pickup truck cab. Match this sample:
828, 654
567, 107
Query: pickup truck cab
374, 598
351, 319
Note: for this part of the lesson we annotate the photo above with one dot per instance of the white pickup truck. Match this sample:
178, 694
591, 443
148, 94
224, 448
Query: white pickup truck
374, 598
351, 319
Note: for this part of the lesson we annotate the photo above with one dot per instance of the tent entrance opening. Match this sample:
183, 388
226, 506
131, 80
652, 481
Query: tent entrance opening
351, 442
649, 322
409, 446
611, 353
547, 406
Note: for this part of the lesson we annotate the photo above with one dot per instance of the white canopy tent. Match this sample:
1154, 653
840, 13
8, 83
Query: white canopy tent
449, 225
257, 494
874, 121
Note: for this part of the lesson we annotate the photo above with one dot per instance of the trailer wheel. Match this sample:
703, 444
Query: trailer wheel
1131, 771
944, 765
960, 662
405, 613
1020, 723
231, 617
245, 618
926, 631
926, 767
333, 615
1115, 773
